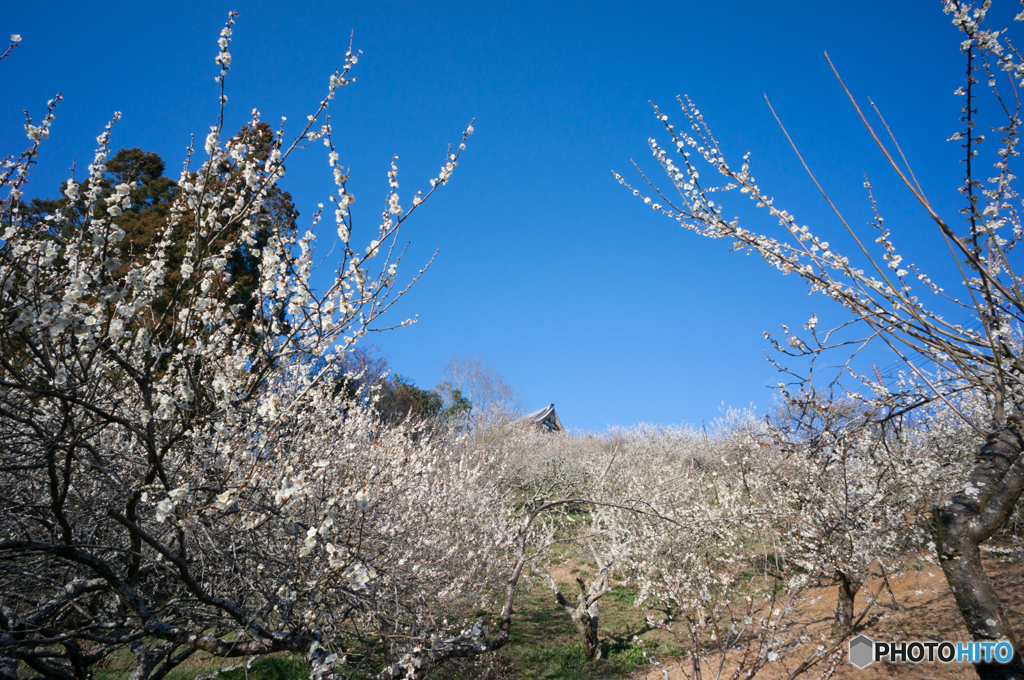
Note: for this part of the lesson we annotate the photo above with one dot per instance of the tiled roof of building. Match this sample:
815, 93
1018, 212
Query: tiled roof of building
545, 418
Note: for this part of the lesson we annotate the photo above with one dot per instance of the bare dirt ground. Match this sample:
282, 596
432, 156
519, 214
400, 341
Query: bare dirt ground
923, 606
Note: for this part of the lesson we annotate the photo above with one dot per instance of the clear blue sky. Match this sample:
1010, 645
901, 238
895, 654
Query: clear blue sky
548, 268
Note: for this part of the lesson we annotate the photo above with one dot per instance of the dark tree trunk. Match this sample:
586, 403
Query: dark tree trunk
848, 589
584, 613
963, 523
585, 621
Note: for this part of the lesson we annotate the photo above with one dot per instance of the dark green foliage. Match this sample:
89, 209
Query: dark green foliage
460, 406
146, 220
400, 399
363, 376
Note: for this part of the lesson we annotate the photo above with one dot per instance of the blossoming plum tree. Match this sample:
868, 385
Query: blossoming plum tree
183, 477
862, 490
884, 295
713, 555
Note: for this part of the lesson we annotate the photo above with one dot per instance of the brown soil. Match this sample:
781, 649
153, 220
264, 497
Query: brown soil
924, 605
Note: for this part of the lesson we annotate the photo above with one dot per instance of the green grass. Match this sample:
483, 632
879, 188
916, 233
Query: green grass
545, 646
290, 667
622, 595
275, 667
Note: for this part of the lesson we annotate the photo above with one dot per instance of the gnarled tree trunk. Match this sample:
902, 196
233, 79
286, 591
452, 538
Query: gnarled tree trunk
848, 589
584, 613
963, 523
585, 622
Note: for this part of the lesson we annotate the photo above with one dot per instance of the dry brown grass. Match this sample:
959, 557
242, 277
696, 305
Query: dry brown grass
924, 605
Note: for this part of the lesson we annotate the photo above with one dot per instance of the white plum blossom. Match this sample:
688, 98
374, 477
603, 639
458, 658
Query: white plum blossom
973, 362
358, 575
204, 459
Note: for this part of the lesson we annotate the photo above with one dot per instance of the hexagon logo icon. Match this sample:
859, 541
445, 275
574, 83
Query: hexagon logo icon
861, 651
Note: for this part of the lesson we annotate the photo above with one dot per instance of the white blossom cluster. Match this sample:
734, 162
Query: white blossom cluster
880, 288
175, 461
890, 471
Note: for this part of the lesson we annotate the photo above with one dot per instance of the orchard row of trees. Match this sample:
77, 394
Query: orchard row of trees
724, 532
196, 457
